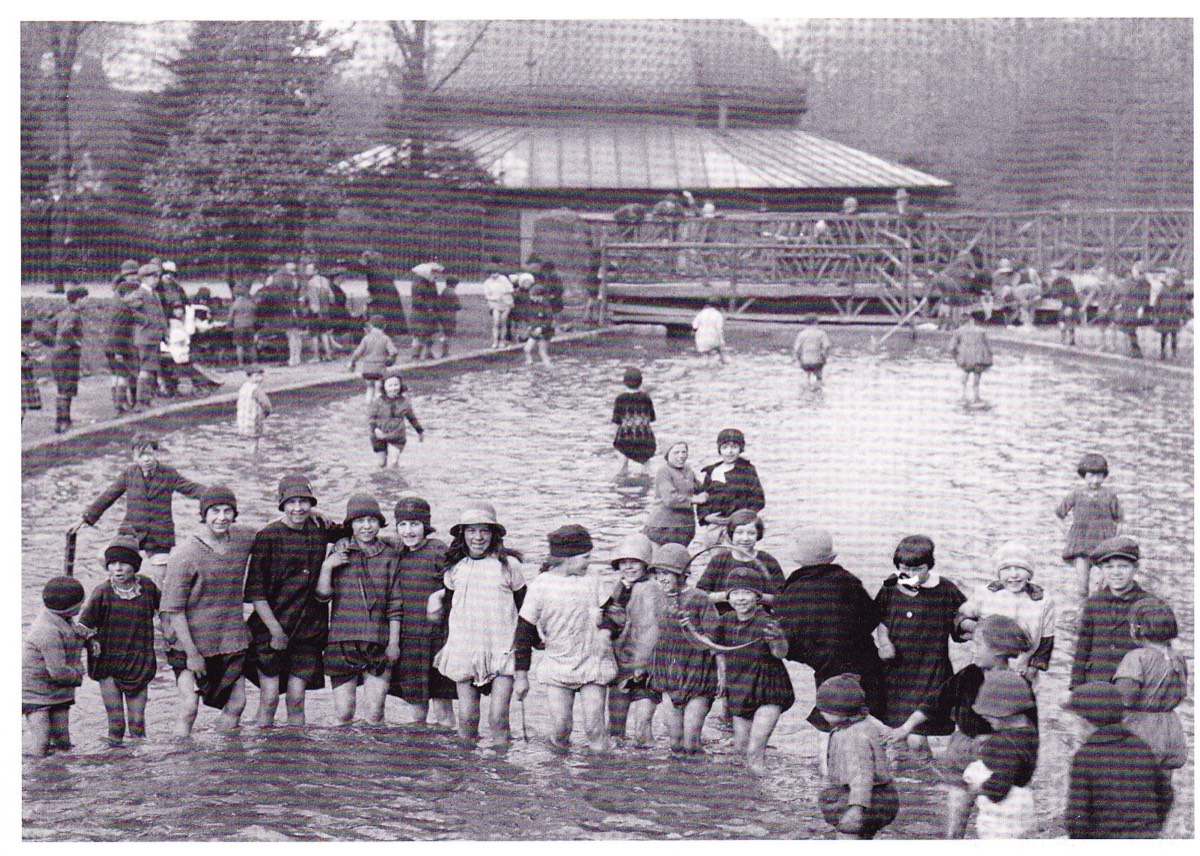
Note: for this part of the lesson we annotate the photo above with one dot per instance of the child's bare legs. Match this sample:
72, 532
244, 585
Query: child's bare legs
675, 725
1083, 573
561, 702
135, 713
761, 728
392, 456
593, 698
37, 743
114, 706
543, 351
498, 718
345, 701
642, 713
618, 712
372, 391
693, 723
189, 703
721, 356
375, 689
958, 810
295, 700
468, 711
60, 731
499, 321
441, 711
382, 457
966, 380
268, 699
231, 713
975, 378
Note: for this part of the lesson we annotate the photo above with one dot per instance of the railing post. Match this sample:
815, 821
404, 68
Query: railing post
602, 289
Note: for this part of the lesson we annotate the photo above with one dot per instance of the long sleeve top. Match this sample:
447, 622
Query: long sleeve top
366, 594
857, 757
51, 666
388, 415
147, 502
673, 490
68, 330
1104, 638
731, 489
149, 323
375, 352
1116, 789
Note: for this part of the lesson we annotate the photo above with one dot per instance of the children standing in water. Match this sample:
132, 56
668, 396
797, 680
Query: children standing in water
859, 799
918, 613
121, 612
633, 613
386, 420
562, 608
483, 588
811, 350
633, 411
681, 667
1095, 515
253, 407
973, 353
758, 688
426, 691
51, 668
709, 325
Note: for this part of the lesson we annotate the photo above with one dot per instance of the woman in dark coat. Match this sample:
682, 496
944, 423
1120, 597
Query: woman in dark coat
423, 320
384, 299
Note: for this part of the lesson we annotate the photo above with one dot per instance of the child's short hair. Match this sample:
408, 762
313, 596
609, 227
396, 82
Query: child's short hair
633, 377
1092, 463
143, 441
375, 320
1153, 620
740, 518
913, 551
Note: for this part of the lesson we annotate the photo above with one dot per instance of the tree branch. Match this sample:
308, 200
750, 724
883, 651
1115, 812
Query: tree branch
467, 53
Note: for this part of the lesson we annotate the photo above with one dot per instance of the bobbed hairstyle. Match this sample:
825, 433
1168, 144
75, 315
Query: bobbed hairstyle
1153, 620
914, 550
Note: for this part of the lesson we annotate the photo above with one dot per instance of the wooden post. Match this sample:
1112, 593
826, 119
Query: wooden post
602, 289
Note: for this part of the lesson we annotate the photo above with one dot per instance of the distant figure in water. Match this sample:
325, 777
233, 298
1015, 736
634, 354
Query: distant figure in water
633, 411
811, 349
709, 325
973, 353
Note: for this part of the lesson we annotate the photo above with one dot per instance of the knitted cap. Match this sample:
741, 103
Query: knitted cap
913, 551
1092, 463
124, 548
569, 540
1014, 555
671, 557
1118, 546
295, 486
363, 505
1003, 635
633, 546
216, 494
478, 513
731, 435
842, 695
413, 508
1003, 693
61, 593
812, 547
1099, 702
744, 578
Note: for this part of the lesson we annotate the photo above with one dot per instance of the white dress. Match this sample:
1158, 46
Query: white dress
565, 610
483, 620
709, 325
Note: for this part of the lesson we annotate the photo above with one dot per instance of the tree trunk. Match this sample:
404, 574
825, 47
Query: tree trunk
64, 46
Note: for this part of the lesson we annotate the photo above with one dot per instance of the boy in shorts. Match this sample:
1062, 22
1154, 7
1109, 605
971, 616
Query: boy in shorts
202, 613
51, 667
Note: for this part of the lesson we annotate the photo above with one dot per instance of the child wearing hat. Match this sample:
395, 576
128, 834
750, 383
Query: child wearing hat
729, 484
376, 352
758, 688
918, 612
1117, 789
859, 798
811, 350
1153, 680
709, 325
633, 411
51, 667
253, 407
633, 612
996, 640
202, 619
971, 350
682, 667
426, 691
1104, 637
483, 588
999, 778
1013, 594
360, 580
290, 624
1095, 515
562, 609
121, 612
386, 419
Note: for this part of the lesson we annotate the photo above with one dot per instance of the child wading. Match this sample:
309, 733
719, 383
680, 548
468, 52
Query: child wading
540, 318
51, 668
709, 325
360, 579
483, 589
121, 612
633, 612
633, 411
562, 608
682, 667
386, 420
999, 779
1116, 787
757, 686
253, 407
376, 352
1095, 515
859, 798
996, 640
744, 530
203, 626
729, 484
973, 353
427, 691
811, 350
672, 518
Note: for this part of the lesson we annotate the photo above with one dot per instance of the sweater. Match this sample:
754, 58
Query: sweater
1104, 635
51, 666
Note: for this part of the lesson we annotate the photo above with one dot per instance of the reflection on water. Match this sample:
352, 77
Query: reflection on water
884, 451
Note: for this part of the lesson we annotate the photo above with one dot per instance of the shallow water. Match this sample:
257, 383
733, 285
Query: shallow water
885, 450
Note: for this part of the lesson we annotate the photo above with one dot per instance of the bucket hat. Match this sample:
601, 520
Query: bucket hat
61, 593
1099, 702
570, 540
633, 546
731, 435
477, 513
216, 494
842, 695
1003, 693
363, 505
673, 558
413, 508
745, 578
295, 486
812, 547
